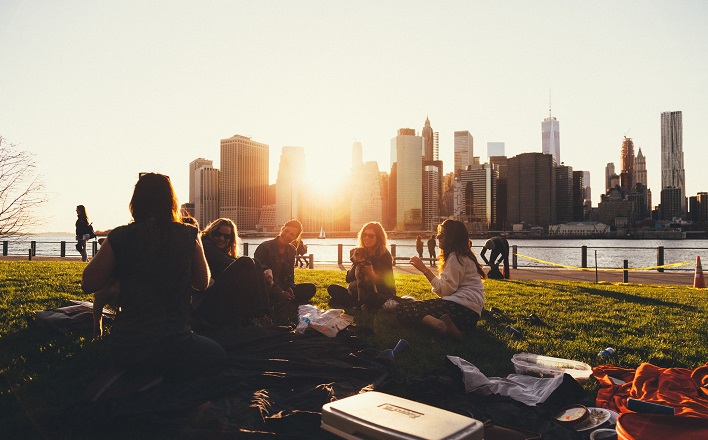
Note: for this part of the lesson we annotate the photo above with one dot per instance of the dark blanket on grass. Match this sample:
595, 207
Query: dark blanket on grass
276, 382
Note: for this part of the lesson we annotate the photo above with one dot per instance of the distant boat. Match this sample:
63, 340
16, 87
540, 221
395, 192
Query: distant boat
322, 233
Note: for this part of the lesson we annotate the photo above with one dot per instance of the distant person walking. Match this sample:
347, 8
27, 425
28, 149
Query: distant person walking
500, 253
419, 246
83, 231
431, 250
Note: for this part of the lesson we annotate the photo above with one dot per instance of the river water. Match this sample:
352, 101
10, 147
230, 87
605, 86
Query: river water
609, 254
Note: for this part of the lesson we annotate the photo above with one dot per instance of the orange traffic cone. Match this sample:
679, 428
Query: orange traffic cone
699, 282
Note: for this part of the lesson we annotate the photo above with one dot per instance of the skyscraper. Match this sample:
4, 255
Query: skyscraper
464, 150
428, 141
193, 167
627, 174
550, 136
406, 155
431, 197
564, 194
640, 168
206, 198
243, 180
366, 203
479, 184
289, 185
610, 176
673, 174
531, 192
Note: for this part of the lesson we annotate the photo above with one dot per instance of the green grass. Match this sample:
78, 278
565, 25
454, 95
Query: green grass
43, 372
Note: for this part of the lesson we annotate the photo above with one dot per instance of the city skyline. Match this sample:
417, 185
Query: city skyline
98, 104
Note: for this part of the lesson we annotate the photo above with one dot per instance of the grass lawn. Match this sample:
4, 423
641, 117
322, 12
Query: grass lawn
43, 371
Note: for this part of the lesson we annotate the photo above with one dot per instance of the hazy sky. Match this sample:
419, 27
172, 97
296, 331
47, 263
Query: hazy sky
100, 91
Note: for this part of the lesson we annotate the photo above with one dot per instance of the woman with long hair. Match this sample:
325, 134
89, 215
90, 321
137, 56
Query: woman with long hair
238, 293
82, 231
373, 239
157, 260
458, 285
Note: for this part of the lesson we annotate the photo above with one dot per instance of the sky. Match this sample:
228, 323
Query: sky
100, 91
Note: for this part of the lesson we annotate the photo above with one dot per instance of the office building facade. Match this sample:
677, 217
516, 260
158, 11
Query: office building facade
531, 189
673, 174
406, 151
464, 150
243, 188
289, 185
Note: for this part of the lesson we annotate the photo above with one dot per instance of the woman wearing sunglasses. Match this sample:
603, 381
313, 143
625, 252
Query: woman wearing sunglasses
237, 293
372, 238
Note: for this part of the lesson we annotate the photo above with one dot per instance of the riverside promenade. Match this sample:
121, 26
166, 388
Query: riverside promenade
668, 278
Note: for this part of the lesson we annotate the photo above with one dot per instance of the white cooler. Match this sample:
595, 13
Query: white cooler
375, 415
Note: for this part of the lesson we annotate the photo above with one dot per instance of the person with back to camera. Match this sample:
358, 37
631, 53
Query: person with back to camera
238, 294
278, 259
372, 239
83, 231
500, 253
459, 286
431, 250
419, 246
157, 260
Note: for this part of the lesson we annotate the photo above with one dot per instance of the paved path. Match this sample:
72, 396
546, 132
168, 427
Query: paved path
669, 277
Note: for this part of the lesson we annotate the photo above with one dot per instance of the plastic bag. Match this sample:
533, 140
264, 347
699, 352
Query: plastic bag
329, 322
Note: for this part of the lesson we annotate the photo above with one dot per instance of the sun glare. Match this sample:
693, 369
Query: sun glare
327, 181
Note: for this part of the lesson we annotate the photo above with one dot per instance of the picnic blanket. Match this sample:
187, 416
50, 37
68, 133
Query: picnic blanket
275, 384
683, 389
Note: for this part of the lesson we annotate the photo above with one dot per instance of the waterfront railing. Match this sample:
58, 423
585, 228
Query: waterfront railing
659, 258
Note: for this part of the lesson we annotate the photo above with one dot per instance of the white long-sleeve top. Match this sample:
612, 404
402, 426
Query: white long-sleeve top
460, 282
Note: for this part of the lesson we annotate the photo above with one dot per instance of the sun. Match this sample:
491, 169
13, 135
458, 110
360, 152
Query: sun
326, 177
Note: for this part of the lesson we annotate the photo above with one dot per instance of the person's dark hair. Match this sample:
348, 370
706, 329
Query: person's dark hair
381, 237
294, 223
232, 248
455, 238
154, 198
81, 211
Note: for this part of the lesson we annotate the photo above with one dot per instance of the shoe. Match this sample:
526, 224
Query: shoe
534, 320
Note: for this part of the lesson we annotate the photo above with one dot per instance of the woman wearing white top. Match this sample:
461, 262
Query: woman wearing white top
459, 286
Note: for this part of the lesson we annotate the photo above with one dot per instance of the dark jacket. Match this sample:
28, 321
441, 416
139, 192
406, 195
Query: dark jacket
383, 268
282, 265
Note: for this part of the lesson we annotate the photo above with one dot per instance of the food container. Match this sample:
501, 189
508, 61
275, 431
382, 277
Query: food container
544, 366
375, 415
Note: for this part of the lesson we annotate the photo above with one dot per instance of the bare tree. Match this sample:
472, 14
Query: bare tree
21, 190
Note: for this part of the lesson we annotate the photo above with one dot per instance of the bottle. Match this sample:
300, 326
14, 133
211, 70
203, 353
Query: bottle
606, 353
512, 331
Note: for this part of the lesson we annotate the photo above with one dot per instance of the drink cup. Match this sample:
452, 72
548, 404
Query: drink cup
401, 346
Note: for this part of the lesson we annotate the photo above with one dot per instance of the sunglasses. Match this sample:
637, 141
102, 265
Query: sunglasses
365, 235
217, 234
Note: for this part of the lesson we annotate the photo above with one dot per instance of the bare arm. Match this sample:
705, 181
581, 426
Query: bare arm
200, 268
422, 267
98, 272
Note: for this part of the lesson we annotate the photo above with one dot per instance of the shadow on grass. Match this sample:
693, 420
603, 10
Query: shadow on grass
619, 296
37, 363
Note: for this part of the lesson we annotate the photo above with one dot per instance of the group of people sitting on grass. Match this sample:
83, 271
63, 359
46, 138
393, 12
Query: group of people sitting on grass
165, 276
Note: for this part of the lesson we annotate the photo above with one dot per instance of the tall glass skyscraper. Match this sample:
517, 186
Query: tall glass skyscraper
673, 174
406, 154
550, 137
464, 150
